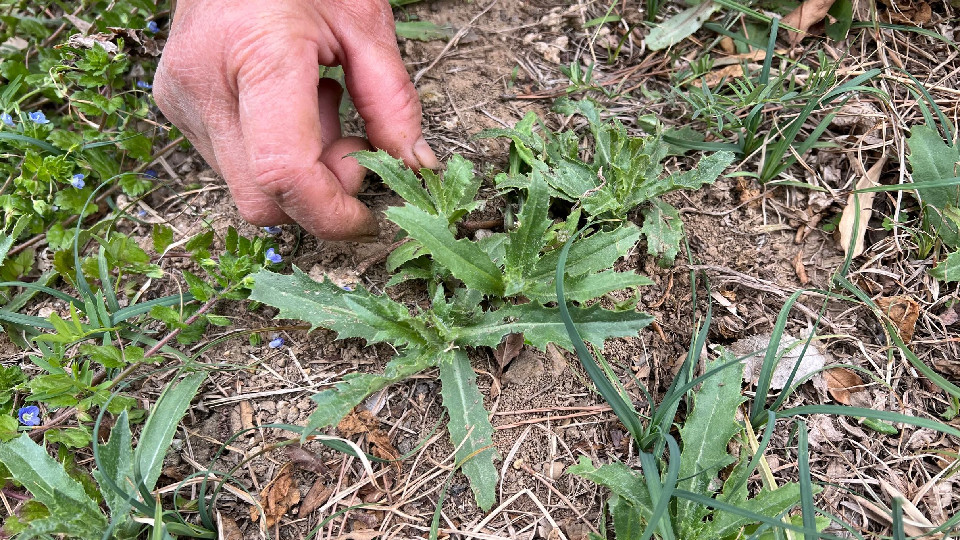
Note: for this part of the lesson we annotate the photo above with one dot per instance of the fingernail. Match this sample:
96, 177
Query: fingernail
425, 155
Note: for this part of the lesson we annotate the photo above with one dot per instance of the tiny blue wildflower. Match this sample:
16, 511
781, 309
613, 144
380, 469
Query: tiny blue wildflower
152, 27
37, 117
144, 84
150, 173
274, 230
77, 181
7, 119
273, 256
347, 288
142, 213
276, 343
29, 415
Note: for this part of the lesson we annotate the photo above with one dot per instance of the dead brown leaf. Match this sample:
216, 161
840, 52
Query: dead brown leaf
306, 460
951, 315
508, 349
277, 497
807, 14
246, 415
382, 448
356, 422
841, 383
800, 269
317, 495
849, 214
716, 76
903, 312
913, 12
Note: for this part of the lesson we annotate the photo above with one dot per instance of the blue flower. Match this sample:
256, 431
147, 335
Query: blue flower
142, 213
273, 256
144, 84
37, 117
276, 343
347, 288
7, 119
273, 230
152, 27
150, 173
77, 181
29, 415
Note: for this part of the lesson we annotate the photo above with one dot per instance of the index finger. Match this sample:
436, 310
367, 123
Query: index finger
280, 122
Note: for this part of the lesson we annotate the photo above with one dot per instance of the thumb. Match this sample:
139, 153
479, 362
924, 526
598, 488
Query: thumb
380, 86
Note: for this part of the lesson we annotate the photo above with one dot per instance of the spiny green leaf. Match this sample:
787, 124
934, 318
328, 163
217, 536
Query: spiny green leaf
454, 194
586, 287
72, 510
354, 313
423, 30
948, 269
705, 434
465, 260
932, 159
116, 463
542, 325
335, 403
526, 241
470, 428
663, 230
590, 254
769, 503
708, 169
618, 478
396, 175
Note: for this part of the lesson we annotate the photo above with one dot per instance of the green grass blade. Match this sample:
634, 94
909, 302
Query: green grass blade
771, 46
926, 184
859, 412
807, 508
24, 320
897, 515
43, 145
770, 359
753, 516
622, 409
661, 494
106, 284
144, 307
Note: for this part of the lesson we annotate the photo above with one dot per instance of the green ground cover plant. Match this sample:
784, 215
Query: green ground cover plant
482, 290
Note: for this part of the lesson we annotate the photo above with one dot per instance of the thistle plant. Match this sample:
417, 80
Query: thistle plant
505, 283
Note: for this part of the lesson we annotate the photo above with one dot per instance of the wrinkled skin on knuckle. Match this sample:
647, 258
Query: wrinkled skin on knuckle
256, 213
279, 180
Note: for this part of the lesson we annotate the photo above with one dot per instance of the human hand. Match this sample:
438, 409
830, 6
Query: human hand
240, 78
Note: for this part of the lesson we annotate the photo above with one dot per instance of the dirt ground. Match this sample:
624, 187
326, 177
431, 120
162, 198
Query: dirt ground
756, 245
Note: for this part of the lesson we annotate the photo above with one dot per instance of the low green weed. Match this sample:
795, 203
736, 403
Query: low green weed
69, 503
776, 137
624, 172
479, 292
